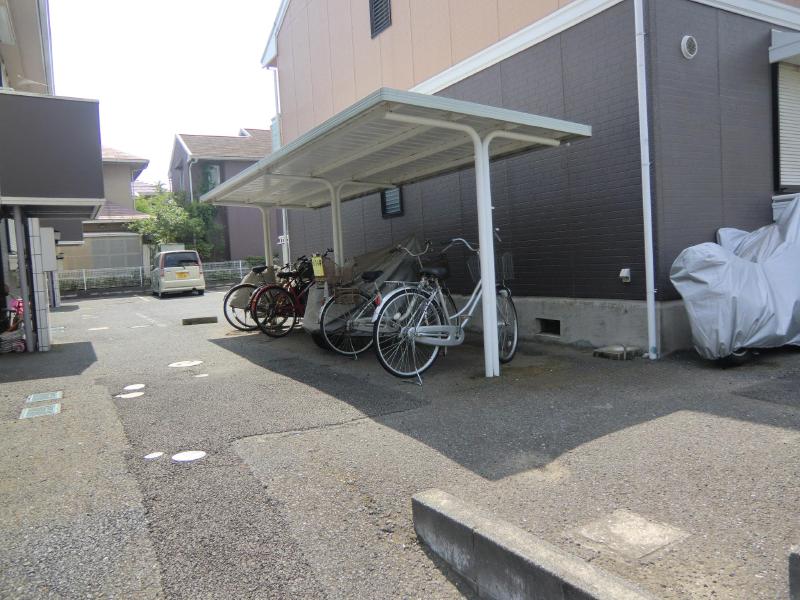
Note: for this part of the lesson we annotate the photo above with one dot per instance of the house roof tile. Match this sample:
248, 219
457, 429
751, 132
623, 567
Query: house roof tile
251, 144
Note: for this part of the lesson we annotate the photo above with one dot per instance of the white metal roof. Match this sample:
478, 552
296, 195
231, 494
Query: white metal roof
785, 47
362, 145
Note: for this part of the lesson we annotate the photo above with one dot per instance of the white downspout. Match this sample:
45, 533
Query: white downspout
647, 198
189, 162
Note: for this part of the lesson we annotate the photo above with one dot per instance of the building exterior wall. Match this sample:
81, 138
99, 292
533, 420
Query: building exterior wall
327, 59
117, 184
712, 127
571, 216
50, 147
103, 251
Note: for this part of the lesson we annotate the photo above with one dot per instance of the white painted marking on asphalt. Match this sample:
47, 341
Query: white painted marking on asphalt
144, 299
130, 395
153, 455
188, 456
186, 363
133, 386
98, 328
139, 326
150, 320
202, 375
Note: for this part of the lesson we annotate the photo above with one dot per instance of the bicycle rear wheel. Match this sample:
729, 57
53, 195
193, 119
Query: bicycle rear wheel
398, 352
507, 327
346, 322
273, 310
239, 318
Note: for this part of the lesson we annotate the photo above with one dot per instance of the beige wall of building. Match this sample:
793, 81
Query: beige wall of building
327, 60
117, 183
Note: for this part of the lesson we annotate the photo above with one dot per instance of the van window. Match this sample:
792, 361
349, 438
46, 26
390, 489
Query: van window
181, 259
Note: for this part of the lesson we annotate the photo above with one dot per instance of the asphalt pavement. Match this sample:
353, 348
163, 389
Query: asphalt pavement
312, 460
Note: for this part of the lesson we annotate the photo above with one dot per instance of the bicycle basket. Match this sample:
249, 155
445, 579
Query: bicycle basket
348, 295
503, 268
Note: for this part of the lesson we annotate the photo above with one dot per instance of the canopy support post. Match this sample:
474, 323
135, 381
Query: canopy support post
491, 354
267, 226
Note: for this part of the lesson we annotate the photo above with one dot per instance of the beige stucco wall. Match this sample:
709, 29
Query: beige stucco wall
327, 60
117, 184
318, 77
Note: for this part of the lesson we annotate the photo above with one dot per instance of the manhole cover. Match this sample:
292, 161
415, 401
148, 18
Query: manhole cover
40, 411
630, 535
45, 397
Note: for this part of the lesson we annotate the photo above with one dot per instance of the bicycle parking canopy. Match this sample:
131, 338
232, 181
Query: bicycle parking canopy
391, 138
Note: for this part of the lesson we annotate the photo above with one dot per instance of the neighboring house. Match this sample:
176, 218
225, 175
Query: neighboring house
51, 176
144, 188
201, 162
107, 242
718, 89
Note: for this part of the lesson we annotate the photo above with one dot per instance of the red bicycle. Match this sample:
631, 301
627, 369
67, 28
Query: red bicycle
276, 308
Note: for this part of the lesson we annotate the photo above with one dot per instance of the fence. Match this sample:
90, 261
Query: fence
139, 277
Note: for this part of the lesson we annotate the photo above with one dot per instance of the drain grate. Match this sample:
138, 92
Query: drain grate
45, 397
40, 411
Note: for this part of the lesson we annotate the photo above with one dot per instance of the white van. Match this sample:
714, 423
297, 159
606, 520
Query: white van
177, 271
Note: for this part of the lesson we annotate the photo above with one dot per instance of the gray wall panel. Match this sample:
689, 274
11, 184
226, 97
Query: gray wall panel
49, 147
712, 127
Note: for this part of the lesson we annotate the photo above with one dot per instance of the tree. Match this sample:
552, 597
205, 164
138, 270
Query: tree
174, 220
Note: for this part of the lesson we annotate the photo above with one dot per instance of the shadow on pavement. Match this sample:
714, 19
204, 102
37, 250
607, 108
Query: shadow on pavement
63, 360
543, 406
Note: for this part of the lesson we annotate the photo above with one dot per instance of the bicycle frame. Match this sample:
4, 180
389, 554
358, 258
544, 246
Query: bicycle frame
440, 335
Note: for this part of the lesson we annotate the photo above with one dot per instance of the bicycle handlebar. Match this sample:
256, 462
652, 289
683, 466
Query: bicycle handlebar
428, 247
453, 241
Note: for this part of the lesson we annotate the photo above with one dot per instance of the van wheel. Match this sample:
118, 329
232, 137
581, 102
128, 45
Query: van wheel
200, 292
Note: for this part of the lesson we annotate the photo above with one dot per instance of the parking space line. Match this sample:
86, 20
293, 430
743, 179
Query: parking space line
150, 320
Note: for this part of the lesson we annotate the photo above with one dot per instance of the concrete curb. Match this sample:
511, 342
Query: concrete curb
794, 573
198, 320
502, 561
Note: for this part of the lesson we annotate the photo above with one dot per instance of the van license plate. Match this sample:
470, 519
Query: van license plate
182, 275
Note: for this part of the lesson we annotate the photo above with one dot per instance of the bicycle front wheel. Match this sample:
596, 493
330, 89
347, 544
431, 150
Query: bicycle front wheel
507, 327
273, 310
346, 322
236, 307
397, 349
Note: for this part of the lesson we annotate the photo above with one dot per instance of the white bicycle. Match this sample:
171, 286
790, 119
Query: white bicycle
412, 324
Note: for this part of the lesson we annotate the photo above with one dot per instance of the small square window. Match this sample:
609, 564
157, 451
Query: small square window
380, 15
392, 203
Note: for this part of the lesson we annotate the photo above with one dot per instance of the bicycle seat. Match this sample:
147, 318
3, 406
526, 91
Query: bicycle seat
259, 270
436, 272
288, 274
370, 276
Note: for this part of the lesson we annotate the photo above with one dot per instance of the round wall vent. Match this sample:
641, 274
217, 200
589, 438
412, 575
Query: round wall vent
689, 47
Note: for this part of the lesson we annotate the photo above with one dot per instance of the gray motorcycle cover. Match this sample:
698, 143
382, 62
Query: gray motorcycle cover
743, 292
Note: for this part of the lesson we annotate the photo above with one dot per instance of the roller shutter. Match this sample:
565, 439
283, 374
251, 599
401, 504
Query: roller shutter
789, 125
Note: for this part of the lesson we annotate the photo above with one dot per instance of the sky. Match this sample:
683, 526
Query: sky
161, 67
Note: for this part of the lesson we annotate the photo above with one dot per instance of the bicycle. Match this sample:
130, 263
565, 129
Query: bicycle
346, 317
237, 302
277, 307
413, 323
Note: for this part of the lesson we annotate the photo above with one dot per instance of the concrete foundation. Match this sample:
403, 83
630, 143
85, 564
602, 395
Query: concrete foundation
593, 323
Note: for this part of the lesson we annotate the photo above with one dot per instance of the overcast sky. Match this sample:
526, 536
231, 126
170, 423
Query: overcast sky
161, 67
